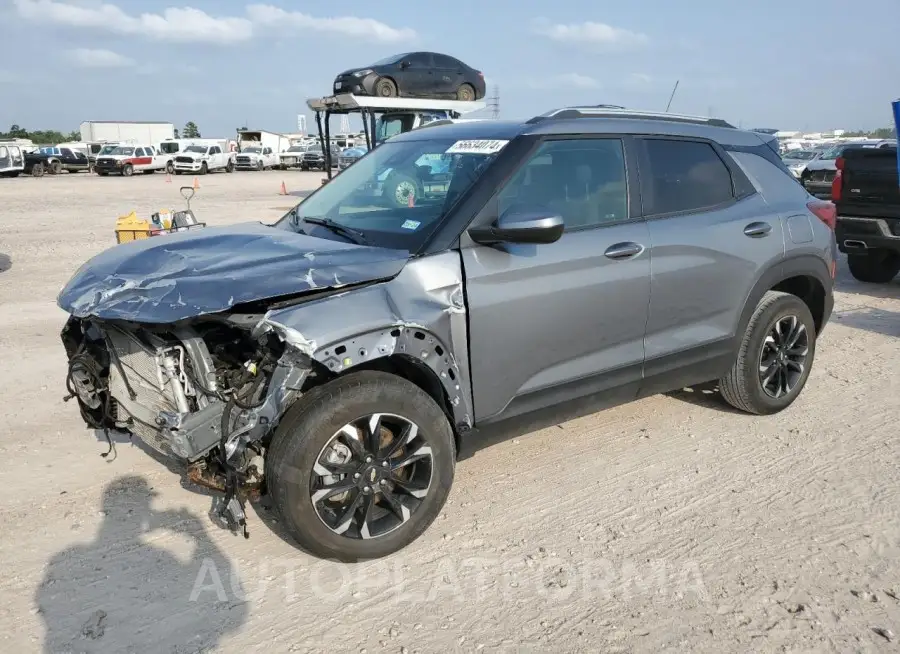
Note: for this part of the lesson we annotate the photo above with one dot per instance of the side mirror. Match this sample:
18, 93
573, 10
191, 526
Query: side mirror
521, 226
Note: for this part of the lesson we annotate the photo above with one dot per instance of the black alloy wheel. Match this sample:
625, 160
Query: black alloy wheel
371, 476
782, 359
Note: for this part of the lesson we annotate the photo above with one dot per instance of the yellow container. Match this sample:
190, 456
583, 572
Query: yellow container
131, 228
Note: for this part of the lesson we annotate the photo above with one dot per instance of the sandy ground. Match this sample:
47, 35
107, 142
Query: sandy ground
672, 523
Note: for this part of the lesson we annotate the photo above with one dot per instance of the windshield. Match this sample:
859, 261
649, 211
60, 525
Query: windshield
252, 150
801, 155
123, 151
297, 148
387, 61
396, 195
196, 148
169, 148
108, 149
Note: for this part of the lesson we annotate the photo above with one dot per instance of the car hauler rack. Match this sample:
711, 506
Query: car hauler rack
369, 108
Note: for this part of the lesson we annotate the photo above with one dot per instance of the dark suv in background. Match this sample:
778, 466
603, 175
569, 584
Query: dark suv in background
588, 253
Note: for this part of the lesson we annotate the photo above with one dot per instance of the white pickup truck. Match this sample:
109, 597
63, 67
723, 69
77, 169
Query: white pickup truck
127, 160
256, 157
204, 159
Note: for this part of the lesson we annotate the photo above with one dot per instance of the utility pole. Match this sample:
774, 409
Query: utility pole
494, 102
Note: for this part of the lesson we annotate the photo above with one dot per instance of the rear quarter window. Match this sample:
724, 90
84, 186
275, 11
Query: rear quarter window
769, 179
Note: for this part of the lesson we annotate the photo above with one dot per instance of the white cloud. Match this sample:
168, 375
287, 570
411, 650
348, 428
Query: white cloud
92, 58
591, 34
271, 17
566, 80
189, 25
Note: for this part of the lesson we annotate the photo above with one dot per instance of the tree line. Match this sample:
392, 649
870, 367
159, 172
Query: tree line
53, 137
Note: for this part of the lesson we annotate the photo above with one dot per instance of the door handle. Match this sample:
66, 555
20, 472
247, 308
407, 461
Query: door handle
623, 250
757, 230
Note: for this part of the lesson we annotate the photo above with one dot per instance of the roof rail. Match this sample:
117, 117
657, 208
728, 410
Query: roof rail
615, 111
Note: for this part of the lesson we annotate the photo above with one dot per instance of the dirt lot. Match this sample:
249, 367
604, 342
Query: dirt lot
669, 523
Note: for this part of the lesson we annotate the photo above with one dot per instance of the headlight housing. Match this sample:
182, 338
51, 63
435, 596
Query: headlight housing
363, 73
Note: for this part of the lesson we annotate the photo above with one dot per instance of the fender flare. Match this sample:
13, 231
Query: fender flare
408, 340
806, 265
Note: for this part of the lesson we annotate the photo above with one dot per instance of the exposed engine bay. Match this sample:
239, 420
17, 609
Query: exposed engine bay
207, 391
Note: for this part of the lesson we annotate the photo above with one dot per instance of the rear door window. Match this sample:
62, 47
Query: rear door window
683, 176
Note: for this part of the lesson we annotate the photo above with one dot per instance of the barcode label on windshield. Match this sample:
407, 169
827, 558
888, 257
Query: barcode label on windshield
477, 147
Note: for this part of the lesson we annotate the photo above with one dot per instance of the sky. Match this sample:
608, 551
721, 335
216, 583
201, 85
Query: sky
222, 64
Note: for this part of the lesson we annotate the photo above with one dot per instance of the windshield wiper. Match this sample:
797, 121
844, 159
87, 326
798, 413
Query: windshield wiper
350, 234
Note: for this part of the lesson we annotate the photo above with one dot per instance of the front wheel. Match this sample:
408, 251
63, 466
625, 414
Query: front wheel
204, 168
361, 466
465, 93
386, 88
128, 170
874, 267
259, 165
775, 357
55, 168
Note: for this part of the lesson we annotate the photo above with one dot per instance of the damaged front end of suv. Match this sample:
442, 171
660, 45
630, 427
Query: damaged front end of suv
198, 343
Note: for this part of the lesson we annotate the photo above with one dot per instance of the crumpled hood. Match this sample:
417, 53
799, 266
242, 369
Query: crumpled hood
171, 277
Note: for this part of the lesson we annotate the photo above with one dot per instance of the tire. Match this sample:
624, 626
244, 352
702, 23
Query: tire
37, 170
874, 267
229, 167
386, 88
743, 387
55, 168
204, 168
170, 168
314, 421
259, 165
304, 167
128, 170
398, 189
102, 173
465, 93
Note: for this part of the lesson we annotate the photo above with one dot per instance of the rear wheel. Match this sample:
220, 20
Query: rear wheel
386, 88
465, 93
229, 167
170, 167
775, 357
401, 190
874, 267
361, 466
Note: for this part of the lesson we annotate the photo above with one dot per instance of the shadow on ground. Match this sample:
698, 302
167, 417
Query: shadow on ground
870, 319
122, 592
5, 262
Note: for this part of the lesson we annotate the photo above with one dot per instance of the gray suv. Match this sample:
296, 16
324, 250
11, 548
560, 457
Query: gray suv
452, 278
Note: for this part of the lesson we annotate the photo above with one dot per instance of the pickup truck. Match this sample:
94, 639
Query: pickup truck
256, 157
204, 159
54, 160
126, 160
866, 192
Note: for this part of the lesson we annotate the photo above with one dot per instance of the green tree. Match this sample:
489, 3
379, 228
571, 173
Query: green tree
190, 130
176, 133
74, 135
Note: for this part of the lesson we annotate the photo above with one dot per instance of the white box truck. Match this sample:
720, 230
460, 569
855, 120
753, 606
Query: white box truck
126, 131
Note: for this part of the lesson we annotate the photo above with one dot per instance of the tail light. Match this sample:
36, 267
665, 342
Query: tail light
480, 74
837, 184
824, 211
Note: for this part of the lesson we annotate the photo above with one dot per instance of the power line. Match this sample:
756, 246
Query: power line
494, 102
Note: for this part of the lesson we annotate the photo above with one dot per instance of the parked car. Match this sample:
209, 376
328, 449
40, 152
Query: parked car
256, 157
797, 160
202, 159
341, 357
350, 155
866, 191
314, 158
293, 156
126, 160
818, 174
414, 74
54, 160
12, 159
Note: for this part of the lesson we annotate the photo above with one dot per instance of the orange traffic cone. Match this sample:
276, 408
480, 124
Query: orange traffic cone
283, 189
196, 183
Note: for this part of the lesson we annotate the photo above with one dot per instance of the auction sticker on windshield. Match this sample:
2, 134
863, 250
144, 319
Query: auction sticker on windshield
477, 147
